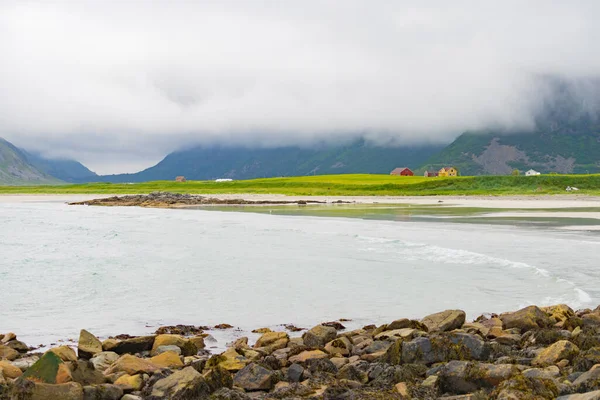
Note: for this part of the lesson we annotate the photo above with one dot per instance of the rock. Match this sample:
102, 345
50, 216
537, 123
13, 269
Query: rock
294, 373
307, 355
89, 345
526, 319
18, 346
444, 321
217, 378
270, 338
164, 349
461, 377
8, 353
105, 391
589, 379
353, 372
181, 385
168, 359
335, 325
319, 336
187, 348
25, 362
320, 365
83, 372
407, 323
402, 389
404, 333
27, 390
254, 377
130, 382
550, 372
65, 353
131, 365
563, 349
131, 397
559, 313
444, 347
595, 395
339, 362
229, 394
7, 337
48, 369
130, 346
520, 387
101, 361
339, 347
197, 341
231, 360
9, 370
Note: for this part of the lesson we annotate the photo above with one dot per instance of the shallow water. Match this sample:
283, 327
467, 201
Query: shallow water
130, 270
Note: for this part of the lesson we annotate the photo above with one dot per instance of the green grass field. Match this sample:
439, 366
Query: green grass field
344, 185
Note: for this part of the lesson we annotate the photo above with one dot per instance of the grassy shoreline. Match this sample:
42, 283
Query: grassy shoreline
343, 185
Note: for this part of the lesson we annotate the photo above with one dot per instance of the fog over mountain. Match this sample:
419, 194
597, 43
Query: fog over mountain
117, 86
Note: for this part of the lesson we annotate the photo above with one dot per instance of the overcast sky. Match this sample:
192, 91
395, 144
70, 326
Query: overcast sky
118, 85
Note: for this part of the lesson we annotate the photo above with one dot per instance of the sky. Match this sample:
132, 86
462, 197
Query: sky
118, 85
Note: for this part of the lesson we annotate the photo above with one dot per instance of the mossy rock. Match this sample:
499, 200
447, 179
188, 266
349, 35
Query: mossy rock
48, 369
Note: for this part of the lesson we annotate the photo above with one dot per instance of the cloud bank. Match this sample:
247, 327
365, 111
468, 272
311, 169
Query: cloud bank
118, 85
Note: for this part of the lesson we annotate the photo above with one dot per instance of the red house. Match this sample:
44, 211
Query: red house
403, 171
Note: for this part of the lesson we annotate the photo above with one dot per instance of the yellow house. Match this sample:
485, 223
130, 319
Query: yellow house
448, 171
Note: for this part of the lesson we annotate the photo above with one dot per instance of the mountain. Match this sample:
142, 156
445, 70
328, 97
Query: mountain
204, 163
566, 139
16, 170
66, 170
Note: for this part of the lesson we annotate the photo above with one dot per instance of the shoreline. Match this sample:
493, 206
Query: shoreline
537, 353
508, 202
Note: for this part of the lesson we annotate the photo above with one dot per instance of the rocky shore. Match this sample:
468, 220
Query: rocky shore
175, 200
533, 353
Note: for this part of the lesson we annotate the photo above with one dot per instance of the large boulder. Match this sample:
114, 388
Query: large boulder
89, 345
444, 347
563, 349
129, 346
270, 338
526, 319
595, 395
339, 347
444, 321
48, 369
131, 365
230, 359
254, 377
181, 385
24, 389
130, 382
588, 380
187, 347
217, 378
461, 377
319, 336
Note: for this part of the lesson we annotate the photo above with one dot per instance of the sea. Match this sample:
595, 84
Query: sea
131, 270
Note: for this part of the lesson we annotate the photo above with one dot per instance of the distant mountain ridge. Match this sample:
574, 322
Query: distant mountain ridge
15, 169
63, 169
204, 163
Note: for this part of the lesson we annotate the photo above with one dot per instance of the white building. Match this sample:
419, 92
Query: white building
531, 172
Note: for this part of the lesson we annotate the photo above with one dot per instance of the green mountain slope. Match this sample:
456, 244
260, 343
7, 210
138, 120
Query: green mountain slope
66, 170
241, 163
16, 170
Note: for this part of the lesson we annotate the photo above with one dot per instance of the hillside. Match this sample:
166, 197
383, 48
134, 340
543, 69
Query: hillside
16, 170
240, 163
66, 170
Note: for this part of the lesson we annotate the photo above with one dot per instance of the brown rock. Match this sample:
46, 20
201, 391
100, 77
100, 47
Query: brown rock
526, 319
444, 321
307, 355
187, 348
7, 353
65, 353
131, 365
563, 349
130, 382
319, 336
168, 359
270, 338
9, 370
88, 345
254, 377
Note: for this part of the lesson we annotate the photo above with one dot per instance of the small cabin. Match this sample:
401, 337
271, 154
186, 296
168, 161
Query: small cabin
448, 171
429, 174
403, 171
532, 172
180, 179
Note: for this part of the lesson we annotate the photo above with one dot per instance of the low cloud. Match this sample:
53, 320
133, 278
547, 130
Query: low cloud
117, 85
